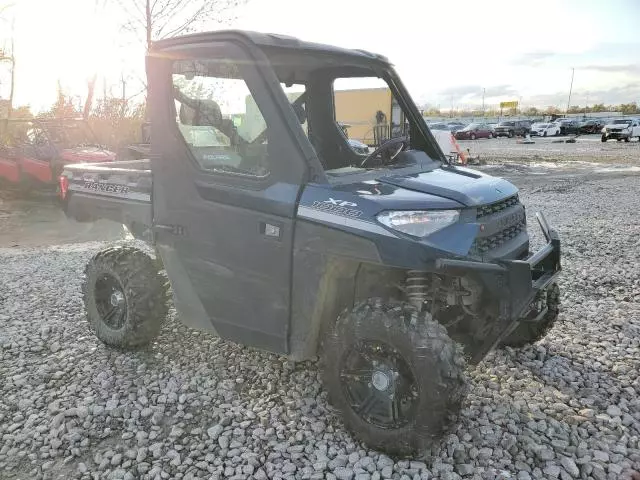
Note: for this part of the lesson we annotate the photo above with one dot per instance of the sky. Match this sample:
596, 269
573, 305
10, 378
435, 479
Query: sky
446, 52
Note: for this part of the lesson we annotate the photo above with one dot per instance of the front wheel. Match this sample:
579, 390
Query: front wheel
603, 138
395, 374
510, 134
626, 139
527, 332
472, 136
544, 134
125, 297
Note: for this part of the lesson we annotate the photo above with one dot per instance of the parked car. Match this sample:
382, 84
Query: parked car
473, 131
512, 128
568, 126
439, 126
622, 129
455, 126
591, 126
545, 129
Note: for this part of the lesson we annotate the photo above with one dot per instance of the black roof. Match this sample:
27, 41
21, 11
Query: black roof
268, 40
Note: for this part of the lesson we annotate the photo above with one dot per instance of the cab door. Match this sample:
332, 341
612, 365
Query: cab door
227, 173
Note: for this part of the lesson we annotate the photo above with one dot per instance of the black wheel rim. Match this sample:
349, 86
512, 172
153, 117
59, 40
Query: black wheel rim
379, 385
110, 301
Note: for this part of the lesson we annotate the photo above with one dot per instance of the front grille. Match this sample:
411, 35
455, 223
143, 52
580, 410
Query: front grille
492, 208
485, 244
616, 130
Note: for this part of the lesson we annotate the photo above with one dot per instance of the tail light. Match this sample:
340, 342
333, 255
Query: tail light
64, 186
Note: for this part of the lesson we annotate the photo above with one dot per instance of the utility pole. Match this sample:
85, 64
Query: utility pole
570, 88
483, 92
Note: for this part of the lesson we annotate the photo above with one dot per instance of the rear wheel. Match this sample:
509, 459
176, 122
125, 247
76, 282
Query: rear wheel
527, 332
626, 139
395, 374
544, 134
125, 297
472, 136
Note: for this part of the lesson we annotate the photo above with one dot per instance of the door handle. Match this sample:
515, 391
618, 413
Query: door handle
271, 230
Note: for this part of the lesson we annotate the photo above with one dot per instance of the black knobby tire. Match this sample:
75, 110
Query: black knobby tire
433, 361
527, 333
142, 291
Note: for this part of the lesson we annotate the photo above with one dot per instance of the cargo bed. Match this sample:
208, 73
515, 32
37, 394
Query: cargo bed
118, 191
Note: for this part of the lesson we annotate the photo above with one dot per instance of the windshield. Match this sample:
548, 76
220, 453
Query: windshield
621, 122
506, 124
68, 134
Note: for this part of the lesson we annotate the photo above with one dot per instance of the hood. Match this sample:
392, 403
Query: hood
468, 187
617, 125
87, 155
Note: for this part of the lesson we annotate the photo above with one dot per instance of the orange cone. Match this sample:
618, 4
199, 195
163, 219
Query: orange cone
461, 153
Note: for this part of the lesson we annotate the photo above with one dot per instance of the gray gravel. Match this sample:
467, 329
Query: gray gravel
192, 406
587, 148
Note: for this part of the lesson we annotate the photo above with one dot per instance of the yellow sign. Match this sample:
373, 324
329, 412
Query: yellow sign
509, 104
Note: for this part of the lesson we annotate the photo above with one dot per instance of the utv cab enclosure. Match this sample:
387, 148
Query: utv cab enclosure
394, 267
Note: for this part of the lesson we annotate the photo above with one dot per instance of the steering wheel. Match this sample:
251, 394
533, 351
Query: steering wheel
391, 147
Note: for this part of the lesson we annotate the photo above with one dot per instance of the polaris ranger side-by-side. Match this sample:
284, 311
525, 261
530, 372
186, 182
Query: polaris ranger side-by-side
395, 267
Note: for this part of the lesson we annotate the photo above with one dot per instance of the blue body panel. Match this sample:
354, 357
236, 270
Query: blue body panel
466, 186
353, 208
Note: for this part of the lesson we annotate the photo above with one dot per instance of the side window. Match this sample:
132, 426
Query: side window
368, 109
219, 118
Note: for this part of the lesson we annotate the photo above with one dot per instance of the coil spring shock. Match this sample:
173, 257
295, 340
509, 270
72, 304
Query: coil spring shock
417, 287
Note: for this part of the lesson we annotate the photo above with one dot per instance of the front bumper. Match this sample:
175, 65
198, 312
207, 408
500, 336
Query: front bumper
616, 134
516, 283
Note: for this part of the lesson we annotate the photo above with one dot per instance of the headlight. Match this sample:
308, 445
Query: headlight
418, 223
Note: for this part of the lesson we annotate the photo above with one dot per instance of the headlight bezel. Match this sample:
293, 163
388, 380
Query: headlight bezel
418, 224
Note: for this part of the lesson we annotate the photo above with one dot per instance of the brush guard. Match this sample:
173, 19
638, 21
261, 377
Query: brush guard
516, 283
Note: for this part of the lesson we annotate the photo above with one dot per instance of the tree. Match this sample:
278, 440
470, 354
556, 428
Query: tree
628, 108
552, 110
531, 112
598, 107
63, 106
151, 20
432, 112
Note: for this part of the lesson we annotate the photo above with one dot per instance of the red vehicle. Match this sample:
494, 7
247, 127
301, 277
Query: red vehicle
475, 130
35, 151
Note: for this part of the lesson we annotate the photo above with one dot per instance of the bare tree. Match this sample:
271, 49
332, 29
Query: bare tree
151, 20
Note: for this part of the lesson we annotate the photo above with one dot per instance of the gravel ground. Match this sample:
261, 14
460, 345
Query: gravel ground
587, 148
192, 406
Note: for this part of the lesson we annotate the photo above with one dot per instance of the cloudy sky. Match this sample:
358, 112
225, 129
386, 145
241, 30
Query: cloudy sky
446, 52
